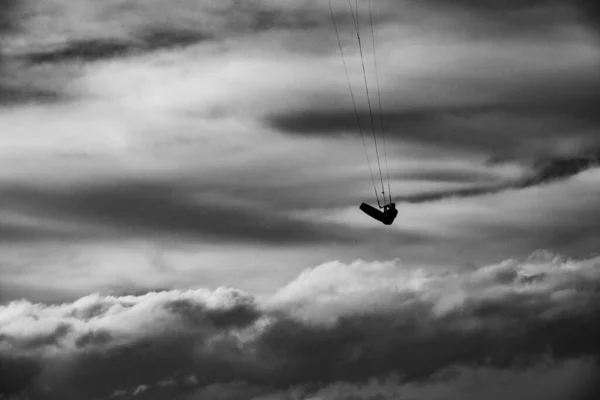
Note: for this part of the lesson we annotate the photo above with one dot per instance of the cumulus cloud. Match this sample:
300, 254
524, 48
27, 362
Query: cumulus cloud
96, 332
101, 322
335, 323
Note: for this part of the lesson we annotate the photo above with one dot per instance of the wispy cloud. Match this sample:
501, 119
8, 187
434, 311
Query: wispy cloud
14, 89
138, 208
100, 49
546, 171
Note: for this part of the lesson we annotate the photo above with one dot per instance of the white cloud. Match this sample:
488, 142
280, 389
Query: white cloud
334, 290
122, 320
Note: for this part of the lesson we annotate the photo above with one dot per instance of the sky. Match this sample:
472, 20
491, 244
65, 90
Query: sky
180, 183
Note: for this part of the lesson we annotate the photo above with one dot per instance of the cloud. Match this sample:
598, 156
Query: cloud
502, 128
177, 23
7, 18
164, 208
591, 10
11, 94
518, 84
558, 382
516, 12
100, 331
12, 91
547, 171
56, 34
17, 374
100, 49
425, 322
345, 323
504, 96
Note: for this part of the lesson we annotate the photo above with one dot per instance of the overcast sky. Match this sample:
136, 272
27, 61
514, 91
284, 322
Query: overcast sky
179, 192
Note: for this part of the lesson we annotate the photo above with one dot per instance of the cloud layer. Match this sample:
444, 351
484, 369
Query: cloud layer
227, 127
335, 323
222, 123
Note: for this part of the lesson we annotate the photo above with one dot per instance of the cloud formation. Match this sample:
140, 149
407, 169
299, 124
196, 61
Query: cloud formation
336, 323
248, 99
170, 209
233, 133
100, 49
16, 87
545, 172
528, 121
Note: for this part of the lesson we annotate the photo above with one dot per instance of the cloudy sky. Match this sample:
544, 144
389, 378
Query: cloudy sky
179, 192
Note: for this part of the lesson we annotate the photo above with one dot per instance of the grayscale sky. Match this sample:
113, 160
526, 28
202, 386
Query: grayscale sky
179, 192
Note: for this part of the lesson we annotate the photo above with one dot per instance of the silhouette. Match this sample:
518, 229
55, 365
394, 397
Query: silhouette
386, 217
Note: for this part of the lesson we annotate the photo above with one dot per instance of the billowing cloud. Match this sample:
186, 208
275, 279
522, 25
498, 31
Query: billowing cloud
335, 324
106, 330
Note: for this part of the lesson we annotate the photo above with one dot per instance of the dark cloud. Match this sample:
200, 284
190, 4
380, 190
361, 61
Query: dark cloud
238, 316
98, 338
527, 14
146, 209
18, 374
260, 16
84, 50
155, 27
335, 323
14, 91
446, 175
545, 171
589, 391
521, 126
499, 106
498, 130
11, 232
167, 38
165, 209
497, 7
8, 15
101, 49
591, 10
560, 168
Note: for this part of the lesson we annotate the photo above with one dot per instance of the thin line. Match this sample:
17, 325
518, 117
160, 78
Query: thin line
367, 91
354, 102
387, 170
